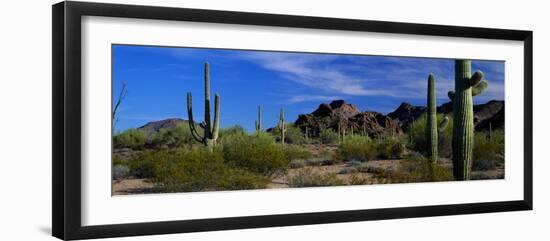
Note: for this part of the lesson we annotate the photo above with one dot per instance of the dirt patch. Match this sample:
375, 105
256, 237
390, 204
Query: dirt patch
133, 186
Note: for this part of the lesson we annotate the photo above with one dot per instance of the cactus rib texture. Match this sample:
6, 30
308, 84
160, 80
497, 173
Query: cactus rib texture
466, 86
211, 130
431, 125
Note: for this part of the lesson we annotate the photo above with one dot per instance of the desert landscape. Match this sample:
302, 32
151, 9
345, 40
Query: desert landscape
260, 134
336, 144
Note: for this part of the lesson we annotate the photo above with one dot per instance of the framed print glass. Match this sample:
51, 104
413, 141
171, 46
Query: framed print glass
210, 120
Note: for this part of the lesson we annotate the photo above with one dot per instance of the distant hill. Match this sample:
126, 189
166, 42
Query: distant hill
156, 126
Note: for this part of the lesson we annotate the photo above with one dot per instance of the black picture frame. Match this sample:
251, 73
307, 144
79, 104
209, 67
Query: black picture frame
66, 58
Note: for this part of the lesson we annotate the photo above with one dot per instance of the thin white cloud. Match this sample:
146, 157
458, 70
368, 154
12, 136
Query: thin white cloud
306, 69
417, 89
396, 77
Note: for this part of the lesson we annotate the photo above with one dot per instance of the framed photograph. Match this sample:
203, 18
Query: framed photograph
171, 120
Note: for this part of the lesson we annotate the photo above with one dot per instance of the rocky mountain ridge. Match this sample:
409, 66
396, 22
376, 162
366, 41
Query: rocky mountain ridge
339, 114
490, 112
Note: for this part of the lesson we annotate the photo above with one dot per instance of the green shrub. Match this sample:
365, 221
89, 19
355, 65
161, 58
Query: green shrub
328, 136
359, 148
390, 148
419, 170
120, 172
297, 163
296, 152
412, 169
308, 178
144, 164
293, 135
418, 141
198, 169
326, 154
117, 160
173, 137
233, 130
356, 179
204, 170
484, 165
230, 137
131, 138
255, 153
489, 150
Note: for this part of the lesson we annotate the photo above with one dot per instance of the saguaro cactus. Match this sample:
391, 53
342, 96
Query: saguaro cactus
210, 131
432, 128
282, 125
259, 121
466, 86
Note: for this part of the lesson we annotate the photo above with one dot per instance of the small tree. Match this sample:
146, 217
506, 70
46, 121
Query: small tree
121, 97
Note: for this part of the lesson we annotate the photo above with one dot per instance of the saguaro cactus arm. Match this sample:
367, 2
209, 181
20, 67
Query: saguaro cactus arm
216, 128
190, 120
479, 87
443, 123
477, 83
476, 78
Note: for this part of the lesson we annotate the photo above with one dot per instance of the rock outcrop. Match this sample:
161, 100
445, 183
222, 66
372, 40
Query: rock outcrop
339, 114
406, 113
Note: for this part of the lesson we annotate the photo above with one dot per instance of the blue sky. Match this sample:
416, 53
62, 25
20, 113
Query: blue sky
158, 79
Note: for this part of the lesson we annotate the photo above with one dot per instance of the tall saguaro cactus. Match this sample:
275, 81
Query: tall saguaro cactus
210, 135
432, 128
466, 86
282, 125
259, 121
